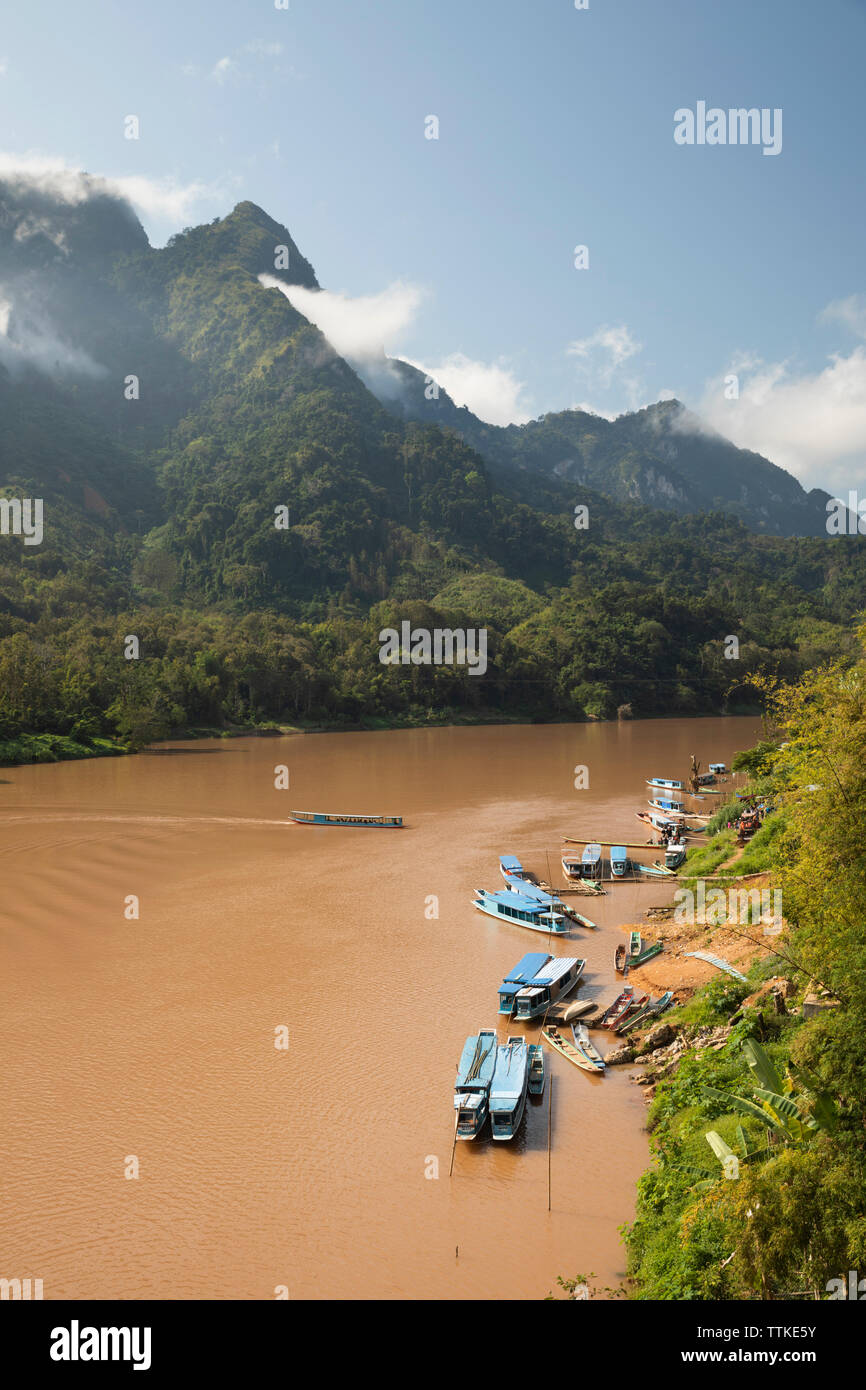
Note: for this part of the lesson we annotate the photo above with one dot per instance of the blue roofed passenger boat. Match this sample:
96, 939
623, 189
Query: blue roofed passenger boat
521, 910
510, 867
619, 861
472, 1087
525, 970
536, 982
508, 1088
662, 803
590, 862
671, 784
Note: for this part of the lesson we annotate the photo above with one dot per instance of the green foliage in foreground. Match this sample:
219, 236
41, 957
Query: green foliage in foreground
785, 1095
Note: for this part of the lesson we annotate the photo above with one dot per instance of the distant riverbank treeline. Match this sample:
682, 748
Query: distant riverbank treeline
773, 1206
67, 666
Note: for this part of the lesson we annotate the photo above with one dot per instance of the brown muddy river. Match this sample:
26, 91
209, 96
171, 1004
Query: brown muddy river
151, 1041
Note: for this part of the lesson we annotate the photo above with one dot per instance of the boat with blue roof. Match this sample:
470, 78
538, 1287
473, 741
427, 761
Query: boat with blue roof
510, 867
521, 910
536, 982
619, 861
472, 1087
508, 1088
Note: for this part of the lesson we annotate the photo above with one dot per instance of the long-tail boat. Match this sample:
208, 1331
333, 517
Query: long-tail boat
634, 945
472, 1088
508, 1088
580, 1033
649, 1010
618, 1009
648, 954
536, 1069
333, 818
567, 1049
620, 957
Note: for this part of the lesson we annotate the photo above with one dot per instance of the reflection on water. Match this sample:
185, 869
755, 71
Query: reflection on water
311, 1166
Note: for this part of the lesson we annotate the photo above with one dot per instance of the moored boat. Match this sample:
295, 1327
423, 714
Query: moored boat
590, 862
536, 1069
620, 957
580, 1033
675, 853
618, 1009
650, 1010
619, 861
567, 1013
566, 1048
648, 954
554, 981
472, 1087
580, 919
333, 818
521, 911
525, 970
657, 870
718, 769
538, 981
508, 1088
571, 866
510, 867
663, 803
671, 784
633, 945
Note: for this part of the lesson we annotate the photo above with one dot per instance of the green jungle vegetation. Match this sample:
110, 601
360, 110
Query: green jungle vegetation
161, 512
784, 1101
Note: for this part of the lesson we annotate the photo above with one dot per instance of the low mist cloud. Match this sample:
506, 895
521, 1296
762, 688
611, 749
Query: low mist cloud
360, 328
812, 424
489, 389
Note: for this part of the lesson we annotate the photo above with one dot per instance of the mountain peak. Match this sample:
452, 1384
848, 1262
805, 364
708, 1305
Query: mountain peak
251, 238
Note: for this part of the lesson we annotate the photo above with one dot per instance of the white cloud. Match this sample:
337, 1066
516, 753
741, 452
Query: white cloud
360, 328
222, 68
165, 199
29, 341
851, 312
812, 424
605, 351
490, 389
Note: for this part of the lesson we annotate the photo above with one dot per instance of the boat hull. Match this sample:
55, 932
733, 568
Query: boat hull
545, 928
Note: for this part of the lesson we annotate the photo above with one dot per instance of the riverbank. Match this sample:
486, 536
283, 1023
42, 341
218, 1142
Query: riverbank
27, 749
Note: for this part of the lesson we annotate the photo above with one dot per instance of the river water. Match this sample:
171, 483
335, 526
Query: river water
148, 1044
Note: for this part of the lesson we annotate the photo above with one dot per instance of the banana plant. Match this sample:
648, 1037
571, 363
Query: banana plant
791, 1108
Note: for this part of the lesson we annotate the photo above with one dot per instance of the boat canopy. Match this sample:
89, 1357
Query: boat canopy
510, 864
514, 901
527, 968
538, 895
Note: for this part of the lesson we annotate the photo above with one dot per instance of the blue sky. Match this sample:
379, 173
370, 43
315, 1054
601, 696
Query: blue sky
555, 130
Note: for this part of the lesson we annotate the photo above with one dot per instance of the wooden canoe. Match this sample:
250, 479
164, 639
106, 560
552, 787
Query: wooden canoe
582, 1042
567, 1049
620, 958
617, 1010
654, 950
